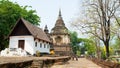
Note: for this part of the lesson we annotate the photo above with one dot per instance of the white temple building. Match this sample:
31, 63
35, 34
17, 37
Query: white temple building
29, 38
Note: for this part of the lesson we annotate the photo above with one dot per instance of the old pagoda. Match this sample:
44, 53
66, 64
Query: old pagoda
60, 37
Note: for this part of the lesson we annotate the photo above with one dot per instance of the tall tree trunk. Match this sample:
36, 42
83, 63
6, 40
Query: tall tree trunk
107, 48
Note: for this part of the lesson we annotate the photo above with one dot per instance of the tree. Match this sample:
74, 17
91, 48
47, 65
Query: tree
87, 45
74, 41
116, 31
103, 51
116, 45
80, 45
99, 16
9, 13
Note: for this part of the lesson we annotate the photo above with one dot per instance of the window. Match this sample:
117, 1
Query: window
40, 45
47, 46
35, 44
44, 46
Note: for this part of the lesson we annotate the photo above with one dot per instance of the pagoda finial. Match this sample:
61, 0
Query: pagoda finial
59, 17
46, 29
60, 12
45, 26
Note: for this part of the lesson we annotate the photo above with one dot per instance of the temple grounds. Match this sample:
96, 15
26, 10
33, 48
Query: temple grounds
81, 63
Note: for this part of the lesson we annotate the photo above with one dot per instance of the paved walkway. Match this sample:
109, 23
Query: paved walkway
81, 63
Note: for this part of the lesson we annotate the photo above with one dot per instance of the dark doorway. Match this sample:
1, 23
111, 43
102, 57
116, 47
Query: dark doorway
21, 44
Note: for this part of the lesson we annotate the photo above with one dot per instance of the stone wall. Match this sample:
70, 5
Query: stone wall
24, 64
37, 64
33, 62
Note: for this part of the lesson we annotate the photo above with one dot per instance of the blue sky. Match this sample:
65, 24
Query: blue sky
48, 10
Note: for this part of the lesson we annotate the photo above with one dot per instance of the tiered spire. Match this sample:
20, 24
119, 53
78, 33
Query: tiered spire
59, 27
59, 21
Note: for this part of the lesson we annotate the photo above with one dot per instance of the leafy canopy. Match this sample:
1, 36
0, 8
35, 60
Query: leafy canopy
80, 45
9, 13
87, 45
74, 42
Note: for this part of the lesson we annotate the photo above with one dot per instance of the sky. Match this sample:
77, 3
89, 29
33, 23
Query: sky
48, 10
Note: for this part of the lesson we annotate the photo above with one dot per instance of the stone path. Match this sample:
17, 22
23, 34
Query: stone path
81, 63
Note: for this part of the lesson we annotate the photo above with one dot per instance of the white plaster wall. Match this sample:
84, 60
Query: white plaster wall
29, 41
46, 49
29, 44
41, 49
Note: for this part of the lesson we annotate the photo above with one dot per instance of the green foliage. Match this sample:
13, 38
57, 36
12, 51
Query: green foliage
88, 45
116, 45
74, 41
9, 13
103, 52
74, 38
78, 53
82, 44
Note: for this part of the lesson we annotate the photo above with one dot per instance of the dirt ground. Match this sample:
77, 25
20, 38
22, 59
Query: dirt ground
81, 63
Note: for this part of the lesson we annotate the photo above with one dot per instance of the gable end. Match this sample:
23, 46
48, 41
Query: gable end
20, 29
